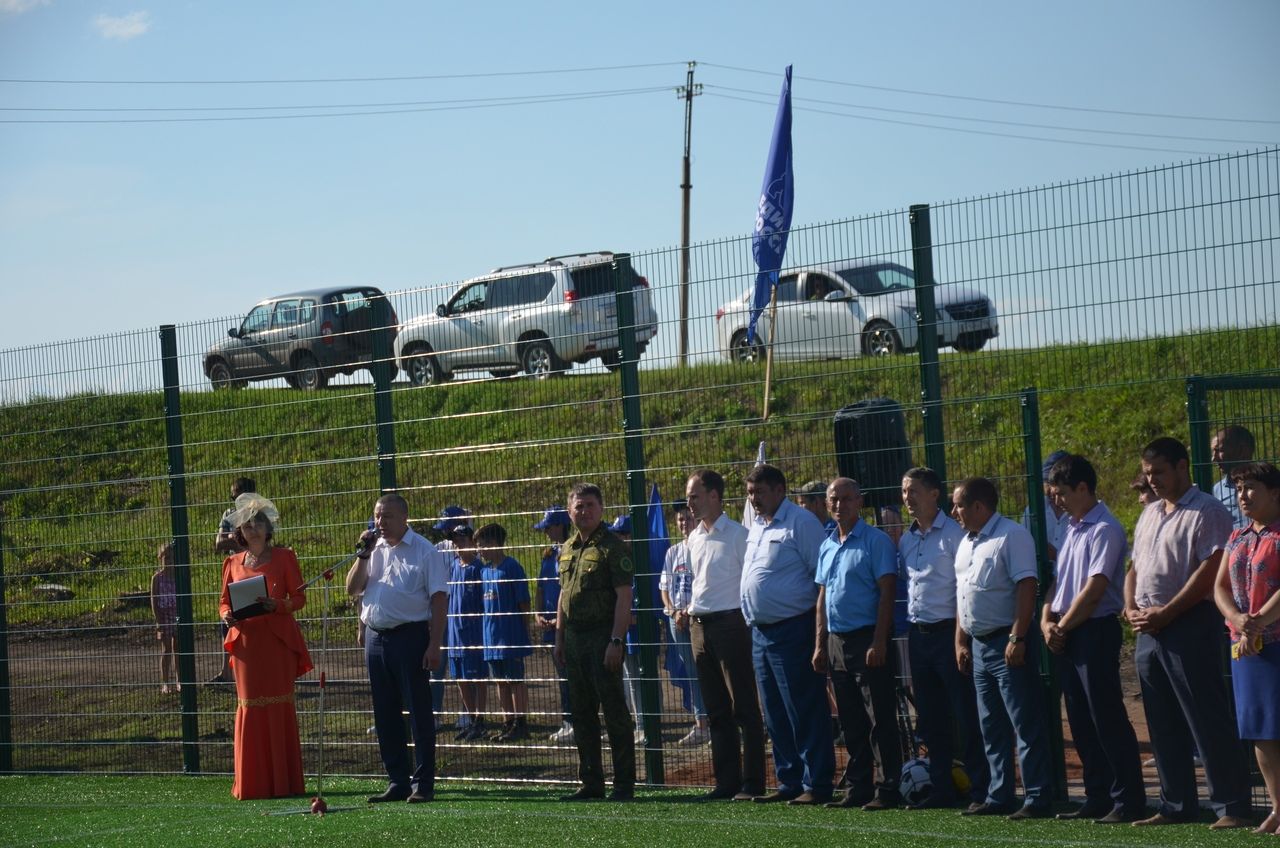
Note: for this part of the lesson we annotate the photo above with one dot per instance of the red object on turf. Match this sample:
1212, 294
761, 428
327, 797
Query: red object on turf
318, 806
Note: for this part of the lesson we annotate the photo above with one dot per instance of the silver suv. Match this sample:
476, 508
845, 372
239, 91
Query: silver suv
305, 337
536, 318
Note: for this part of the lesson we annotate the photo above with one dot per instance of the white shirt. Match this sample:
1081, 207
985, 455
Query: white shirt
989, 566
402, 580
716, 556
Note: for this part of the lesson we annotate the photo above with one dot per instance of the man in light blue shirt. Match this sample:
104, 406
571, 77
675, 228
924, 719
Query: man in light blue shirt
857, 578
1231, 446
778, 601
998, 643
945, 700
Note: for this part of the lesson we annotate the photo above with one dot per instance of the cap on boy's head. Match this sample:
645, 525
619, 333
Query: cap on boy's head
621, 524
462, 530
1049, 463
555, 515
450, 517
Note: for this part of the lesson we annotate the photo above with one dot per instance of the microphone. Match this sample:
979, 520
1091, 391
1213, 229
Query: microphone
367, 542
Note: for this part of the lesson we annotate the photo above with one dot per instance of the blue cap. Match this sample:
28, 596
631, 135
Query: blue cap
621, 524
450, 517
555, 515
1049, 463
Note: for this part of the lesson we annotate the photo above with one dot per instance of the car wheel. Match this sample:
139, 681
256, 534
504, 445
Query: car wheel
611, 359
970, 342
422, 367
741, 351
307, 373
880, 339
538, 358
505, 372
220, 376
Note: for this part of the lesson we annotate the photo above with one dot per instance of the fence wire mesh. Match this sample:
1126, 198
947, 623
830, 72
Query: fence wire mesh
1103, 295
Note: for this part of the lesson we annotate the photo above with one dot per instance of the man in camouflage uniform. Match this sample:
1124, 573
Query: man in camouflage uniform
596, 572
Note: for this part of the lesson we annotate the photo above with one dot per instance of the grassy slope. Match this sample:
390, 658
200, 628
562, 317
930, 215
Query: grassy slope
86, 496
163, 811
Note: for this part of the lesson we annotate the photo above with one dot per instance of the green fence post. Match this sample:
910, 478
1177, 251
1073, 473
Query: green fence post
6, 707
927, 340
1030, 402
633, 440
383, 369
1198, 420
181, 549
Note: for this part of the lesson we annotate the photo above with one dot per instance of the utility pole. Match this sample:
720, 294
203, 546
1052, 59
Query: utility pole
688, 91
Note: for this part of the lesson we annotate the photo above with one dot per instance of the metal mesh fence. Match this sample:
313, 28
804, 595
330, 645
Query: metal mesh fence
1102, 295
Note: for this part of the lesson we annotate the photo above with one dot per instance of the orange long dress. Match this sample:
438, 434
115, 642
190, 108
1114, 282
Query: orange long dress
267, 654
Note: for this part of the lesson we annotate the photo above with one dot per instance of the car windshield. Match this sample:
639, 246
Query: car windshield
878, 279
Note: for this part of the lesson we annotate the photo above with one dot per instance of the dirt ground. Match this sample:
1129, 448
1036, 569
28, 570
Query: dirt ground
90, 700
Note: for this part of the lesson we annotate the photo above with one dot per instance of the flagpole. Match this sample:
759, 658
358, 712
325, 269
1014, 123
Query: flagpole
768, 353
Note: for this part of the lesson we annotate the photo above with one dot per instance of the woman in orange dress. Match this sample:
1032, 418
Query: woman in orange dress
268, 653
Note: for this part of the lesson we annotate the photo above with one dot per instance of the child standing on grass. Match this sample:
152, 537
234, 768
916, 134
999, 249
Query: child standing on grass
506, 629
164, 606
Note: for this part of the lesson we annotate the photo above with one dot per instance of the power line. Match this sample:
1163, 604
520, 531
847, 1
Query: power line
999, 122
414, 78
967, 130
513, 99
1000, 102
445, 108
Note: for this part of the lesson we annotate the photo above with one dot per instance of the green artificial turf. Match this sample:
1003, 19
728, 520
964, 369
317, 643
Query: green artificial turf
172, 812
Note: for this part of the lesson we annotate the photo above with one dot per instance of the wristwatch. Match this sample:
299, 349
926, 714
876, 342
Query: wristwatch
1014, 639
616, 640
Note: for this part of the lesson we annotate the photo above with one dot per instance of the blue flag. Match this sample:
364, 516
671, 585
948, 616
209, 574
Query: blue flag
659, 543
773, 214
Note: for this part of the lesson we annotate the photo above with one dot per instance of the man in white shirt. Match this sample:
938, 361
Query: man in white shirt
998, 642
721, 642
404, 581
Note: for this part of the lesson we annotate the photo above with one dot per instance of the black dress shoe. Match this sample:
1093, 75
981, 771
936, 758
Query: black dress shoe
987, 810
746, 795
809, 799
584, 794
420, 797
880, 804
395, 793
720, 793
850, 799
1086, 811
775, 797
933, 802
622, 795
1031, 811
1119, 816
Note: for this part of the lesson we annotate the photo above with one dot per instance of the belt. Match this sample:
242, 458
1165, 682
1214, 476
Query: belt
788, 620
387, 631
934, 626
999, 631
711, 617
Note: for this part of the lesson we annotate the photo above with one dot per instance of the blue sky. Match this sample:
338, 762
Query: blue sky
121, 226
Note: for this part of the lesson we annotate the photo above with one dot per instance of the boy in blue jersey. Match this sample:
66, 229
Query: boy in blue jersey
555, 524
466, 631
506, 629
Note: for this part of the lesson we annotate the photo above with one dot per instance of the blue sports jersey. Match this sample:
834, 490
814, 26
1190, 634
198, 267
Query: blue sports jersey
506, 630
466, 606
549, 582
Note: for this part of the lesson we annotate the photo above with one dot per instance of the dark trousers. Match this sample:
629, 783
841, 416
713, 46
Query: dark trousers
849, 673
562, 682
794, 697
593, 688
398, 681
1180, 669
1089, 669
946, 705
721, 645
